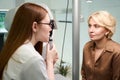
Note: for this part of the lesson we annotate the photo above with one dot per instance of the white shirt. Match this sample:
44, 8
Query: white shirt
25, 64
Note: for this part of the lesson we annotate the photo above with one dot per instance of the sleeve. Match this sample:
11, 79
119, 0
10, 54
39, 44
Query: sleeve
83, 73
83, 68
34, 69
116, 67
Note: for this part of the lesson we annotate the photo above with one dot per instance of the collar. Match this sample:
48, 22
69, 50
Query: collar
108, 46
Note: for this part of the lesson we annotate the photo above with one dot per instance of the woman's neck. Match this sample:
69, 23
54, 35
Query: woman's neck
101, 43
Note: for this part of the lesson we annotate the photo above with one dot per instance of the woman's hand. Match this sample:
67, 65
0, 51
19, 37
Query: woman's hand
51, 58
51, 55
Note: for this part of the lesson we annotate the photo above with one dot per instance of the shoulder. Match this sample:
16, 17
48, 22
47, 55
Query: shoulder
89, 44
113, 46
25, 52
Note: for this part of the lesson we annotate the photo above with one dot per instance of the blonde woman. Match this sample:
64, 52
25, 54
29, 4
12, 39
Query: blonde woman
101, 55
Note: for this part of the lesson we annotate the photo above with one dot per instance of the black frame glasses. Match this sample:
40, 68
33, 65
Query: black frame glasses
51, 24
45, 23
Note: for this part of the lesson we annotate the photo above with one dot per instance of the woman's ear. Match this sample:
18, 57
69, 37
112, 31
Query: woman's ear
107, 33
34, 26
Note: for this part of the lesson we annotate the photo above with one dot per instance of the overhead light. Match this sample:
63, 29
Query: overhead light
89, 1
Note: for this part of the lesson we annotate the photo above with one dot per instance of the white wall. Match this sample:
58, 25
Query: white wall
7, 4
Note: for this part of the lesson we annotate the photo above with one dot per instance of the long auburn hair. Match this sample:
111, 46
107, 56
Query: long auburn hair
21, 30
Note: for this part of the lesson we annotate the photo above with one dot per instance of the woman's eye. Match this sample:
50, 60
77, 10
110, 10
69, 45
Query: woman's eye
89, 25
96, 26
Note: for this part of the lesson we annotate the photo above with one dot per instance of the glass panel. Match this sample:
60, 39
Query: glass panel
63, 36
112, 6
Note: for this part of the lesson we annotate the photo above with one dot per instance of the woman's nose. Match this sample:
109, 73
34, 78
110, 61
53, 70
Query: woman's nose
91, 29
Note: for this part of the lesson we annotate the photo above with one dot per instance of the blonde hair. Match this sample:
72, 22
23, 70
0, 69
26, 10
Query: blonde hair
105, 19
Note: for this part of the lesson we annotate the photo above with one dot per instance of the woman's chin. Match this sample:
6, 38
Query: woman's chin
47, 40
92, 39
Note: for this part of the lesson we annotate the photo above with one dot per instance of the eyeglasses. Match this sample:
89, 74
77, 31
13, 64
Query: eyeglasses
51, 23
45, 23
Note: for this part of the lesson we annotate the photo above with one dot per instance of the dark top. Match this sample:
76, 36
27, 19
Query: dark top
106, 67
